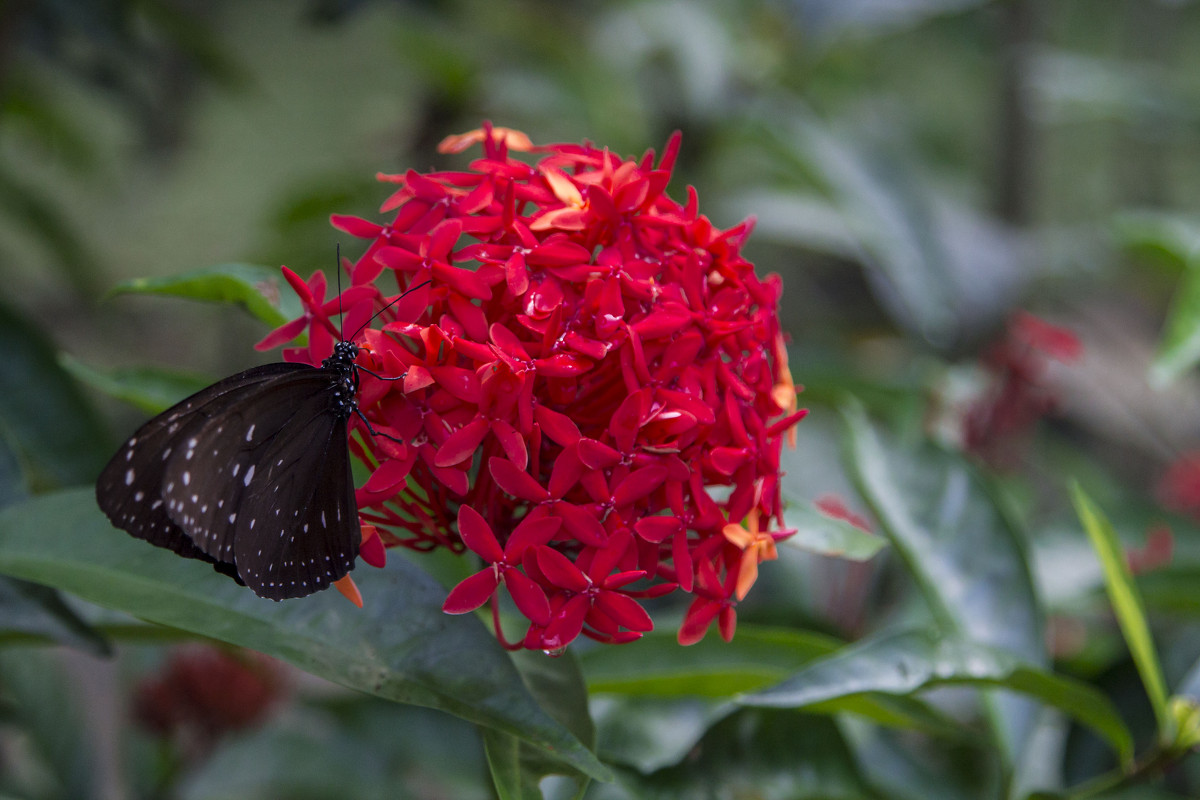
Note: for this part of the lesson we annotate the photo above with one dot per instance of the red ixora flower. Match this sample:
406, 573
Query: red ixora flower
595, 387
207, 692
999, 422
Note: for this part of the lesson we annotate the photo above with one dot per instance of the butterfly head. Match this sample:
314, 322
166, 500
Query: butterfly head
344, 355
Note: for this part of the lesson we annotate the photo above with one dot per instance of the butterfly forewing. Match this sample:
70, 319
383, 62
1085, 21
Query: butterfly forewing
251, 474
267, 485
129, 489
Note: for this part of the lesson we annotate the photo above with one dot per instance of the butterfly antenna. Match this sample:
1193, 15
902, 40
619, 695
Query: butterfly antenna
402, 295
337, 268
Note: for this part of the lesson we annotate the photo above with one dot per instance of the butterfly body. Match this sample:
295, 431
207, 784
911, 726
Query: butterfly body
251, 474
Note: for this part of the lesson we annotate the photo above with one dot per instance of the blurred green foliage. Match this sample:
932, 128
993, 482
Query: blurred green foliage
918, 169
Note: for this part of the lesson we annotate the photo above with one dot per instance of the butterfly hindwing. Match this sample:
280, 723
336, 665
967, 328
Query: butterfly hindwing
309, 519
253, 486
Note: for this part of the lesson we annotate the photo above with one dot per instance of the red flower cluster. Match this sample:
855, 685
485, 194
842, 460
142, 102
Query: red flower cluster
206, 692
595, 388
997, 424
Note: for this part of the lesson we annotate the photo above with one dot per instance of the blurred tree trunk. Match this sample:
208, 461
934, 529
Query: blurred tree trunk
1016, 157
1145, 138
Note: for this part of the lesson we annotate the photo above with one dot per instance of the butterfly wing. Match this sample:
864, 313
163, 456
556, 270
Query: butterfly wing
267, 486
130, 487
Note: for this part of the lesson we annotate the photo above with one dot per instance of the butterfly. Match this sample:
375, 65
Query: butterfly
251, 475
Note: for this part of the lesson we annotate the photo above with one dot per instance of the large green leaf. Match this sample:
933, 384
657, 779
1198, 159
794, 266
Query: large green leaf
829, 536
1174, 240
357, 748
260, 290
935, 264
517, 768
1127, 604
959, 548
151, 389
657, 670
400, 646
32, 610
911, 661
657, 665
759, 753
47, 707
1179, 349
45, 421
652, 733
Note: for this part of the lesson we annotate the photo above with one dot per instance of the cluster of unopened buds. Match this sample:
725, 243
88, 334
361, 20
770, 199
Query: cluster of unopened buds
590, 393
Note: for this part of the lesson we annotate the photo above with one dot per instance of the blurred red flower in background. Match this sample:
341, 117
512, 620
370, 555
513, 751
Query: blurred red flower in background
998, 423
204, 693
595, 387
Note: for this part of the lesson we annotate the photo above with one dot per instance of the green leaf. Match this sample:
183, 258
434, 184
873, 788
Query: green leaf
1176, 241
1127, 604
45, 219
1171, 589
1168, 238
261, 290
912, 661
829, 536
959, 549
764, 754
48, 709
32, 610
358, 747
504, 761
657, 665
652, 733
904, 767
557, 684
657, 668
939, 267
45, 420
1179, 349
400, 646
151, 389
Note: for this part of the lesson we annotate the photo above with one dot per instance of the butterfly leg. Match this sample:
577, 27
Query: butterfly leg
374, 432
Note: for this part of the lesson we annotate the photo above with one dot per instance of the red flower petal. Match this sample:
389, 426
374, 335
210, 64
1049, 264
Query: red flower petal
639, 484
625, 611
387, 477
727, 623
512, 442
567, 624
696, 622
371, 551
656, 529
530, 533
472, 592
597, 455
359, 228
559, 427
560, 571
283, 334
477, 535
528, 597
582, 524
516, 481
462, 444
